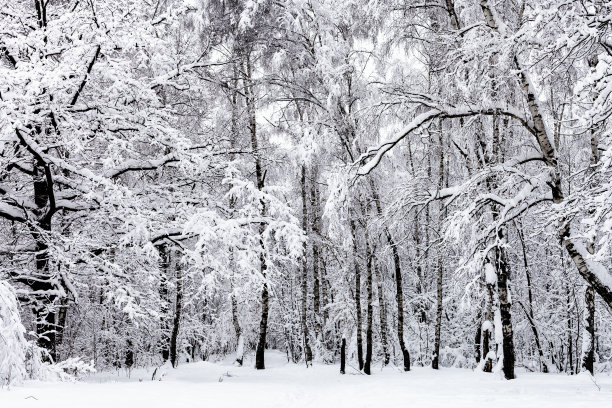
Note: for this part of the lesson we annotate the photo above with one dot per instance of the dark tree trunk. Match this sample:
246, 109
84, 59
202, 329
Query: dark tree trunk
357, 295
478, 337
43, 288
399, 298
316, 285
436, 357
382, 313
177, 312
231, 204
570, 341
452, 14
588, 347
259, 178
438, 328
263, 326
368, 357
343, 356
164, 344
238, 330
486, 333
129, 355
307, 350
324, 286
62, 314
316, 289
503, 277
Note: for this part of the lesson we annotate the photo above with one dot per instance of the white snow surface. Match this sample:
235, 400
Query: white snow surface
283, 384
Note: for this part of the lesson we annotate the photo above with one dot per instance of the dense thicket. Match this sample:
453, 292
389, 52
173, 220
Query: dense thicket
428, 180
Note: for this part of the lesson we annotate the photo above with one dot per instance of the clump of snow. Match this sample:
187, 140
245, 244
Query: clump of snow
499, 336
490, 274
487, 326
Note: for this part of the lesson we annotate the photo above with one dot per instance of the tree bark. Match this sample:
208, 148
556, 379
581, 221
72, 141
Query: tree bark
478, 337
44, 290
259, 178
503, 277
164, 254
177, 312
343, 356
231, 204
438, 328
370, 311
486, 333
316, 285
382, 310
588, 341
307, 350
570, 342
436, 357
263, 326
357, 295
238, 330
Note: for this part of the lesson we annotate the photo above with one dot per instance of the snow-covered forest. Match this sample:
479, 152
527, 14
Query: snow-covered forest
361, 185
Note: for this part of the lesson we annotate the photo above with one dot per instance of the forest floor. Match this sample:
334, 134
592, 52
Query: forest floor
286, 385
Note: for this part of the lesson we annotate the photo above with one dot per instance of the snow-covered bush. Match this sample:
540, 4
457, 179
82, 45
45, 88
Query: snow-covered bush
13, 344
21, 359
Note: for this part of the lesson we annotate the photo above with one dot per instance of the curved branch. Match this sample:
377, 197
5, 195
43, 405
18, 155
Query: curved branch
76, 95
369, 160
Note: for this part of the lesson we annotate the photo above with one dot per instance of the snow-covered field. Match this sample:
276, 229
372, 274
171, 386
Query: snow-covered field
206, 384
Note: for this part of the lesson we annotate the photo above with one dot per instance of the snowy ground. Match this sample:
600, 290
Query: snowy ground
288, 385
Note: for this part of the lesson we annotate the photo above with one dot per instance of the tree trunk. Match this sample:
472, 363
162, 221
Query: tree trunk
43, 288
324, 286
238, 330
368, 357
478, 337
177, 312
316, 285
163, 295
129, 355
588, 340
357, 295
382, 313
487, 330
343, 356
570, 342
503, 277
307, 350
232, 202
436, 358
263, 326
259, 178
399, 299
